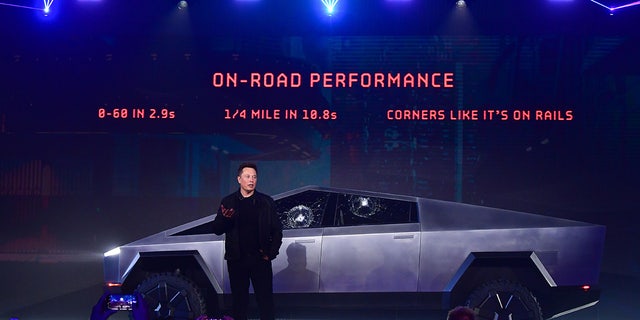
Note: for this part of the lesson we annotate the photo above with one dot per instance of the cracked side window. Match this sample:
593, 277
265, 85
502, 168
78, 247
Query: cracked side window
355, 210
303, 210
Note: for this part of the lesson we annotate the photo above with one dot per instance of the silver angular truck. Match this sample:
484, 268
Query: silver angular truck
368, 249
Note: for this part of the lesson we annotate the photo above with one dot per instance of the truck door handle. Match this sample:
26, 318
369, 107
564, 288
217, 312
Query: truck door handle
403, 236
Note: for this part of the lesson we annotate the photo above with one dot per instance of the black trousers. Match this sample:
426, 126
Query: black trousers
258, 272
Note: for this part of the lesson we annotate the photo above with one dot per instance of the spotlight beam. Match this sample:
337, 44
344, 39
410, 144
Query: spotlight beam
45, 9
626, 5
18, 6
632, 4
600, 4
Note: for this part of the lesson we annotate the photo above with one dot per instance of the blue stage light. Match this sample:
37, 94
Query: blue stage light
47, 6
330, 5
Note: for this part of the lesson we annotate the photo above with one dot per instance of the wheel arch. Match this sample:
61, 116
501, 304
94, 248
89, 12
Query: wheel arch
187, 263
523, 267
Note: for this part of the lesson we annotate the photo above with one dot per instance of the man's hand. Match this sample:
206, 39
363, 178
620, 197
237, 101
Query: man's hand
264, 256
99, 310
226, 212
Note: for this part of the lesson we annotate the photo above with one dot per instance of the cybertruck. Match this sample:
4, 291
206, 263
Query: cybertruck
369, 249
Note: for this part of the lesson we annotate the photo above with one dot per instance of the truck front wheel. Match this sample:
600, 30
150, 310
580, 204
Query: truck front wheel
172, 296
504, 300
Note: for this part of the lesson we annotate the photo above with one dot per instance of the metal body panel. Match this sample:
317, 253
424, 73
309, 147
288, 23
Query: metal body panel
211, 253
297, 268
370, 262
570, 255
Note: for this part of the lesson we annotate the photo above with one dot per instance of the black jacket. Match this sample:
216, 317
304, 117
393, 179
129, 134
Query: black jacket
270, 228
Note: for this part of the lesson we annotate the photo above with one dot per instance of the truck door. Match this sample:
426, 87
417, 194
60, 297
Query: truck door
372, 244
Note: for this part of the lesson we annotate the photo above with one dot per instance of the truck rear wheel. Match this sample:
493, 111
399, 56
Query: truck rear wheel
172, 296
504, 300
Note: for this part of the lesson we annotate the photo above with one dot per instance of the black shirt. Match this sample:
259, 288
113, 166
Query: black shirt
248, 226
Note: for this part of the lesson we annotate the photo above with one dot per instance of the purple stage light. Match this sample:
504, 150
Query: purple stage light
614, 8
626, 5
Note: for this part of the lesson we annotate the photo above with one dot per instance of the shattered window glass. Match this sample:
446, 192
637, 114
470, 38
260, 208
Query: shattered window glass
303, 210
354, 210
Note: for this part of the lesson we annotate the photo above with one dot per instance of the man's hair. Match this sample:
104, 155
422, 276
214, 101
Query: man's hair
461, 313
247, 165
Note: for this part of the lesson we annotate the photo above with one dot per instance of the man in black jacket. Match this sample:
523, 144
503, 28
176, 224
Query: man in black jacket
253, 235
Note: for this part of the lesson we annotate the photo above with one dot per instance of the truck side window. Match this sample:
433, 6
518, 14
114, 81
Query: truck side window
357, 210
303, 210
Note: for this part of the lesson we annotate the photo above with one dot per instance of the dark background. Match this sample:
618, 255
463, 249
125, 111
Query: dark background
73, 186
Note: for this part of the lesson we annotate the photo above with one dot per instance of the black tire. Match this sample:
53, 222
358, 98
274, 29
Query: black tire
504, 300
172, 296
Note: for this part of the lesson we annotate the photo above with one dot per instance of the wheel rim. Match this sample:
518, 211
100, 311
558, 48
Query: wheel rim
168, 301
504, 300
503, 306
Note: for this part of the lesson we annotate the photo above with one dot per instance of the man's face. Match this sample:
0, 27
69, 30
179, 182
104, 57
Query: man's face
248, 179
